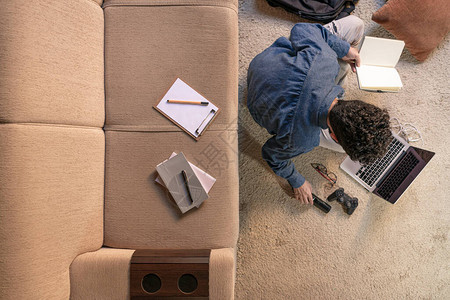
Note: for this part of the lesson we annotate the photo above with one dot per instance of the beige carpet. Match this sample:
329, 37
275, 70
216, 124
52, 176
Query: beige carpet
382, 251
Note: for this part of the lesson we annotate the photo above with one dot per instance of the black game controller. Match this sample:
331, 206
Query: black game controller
348, 203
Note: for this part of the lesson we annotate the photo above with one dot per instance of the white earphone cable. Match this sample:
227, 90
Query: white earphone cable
407, 131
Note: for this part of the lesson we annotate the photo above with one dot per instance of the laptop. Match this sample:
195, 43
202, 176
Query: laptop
389, 177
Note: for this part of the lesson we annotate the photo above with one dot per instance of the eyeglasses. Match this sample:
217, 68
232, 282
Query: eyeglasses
322, 170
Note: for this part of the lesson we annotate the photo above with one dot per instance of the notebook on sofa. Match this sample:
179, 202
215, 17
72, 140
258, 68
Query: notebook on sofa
205, 179
186, 189
378, 60
192, 118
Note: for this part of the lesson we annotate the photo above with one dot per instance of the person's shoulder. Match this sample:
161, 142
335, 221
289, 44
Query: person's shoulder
280, 44
307, 29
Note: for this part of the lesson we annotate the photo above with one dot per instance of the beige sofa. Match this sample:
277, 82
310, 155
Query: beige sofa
80, 141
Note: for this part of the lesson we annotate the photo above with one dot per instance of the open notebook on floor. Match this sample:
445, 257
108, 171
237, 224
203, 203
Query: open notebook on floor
378, 60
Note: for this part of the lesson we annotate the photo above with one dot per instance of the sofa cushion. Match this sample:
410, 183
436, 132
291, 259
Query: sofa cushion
139, 213
148, 44
52, 67
51, 206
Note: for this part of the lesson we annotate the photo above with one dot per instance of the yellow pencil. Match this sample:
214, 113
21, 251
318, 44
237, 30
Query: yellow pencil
188, 102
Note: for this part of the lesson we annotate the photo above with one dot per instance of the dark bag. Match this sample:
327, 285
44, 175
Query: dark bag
317, 10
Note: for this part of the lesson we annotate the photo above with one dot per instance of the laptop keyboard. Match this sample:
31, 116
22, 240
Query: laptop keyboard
396, 177
370, 173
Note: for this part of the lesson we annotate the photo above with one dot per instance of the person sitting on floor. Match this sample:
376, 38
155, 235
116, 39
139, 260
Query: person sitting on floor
295, 91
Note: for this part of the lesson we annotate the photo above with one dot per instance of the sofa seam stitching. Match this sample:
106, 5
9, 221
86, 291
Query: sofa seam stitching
149, 5
51, 125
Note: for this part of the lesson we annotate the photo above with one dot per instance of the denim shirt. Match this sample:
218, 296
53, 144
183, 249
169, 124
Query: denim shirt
291, 86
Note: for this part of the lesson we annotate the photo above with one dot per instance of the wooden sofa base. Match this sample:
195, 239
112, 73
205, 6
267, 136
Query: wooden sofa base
169, 274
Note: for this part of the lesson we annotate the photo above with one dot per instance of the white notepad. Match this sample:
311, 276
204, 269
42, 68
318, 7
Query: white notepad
193, 119
378, 60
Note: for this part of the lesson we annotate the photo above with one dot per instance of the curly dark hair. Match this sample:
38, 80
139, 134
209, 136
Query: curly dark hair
362, 129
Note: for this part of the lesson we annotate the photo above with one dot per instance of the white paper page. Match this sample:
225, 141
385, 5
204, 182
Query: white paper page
380, 52
378, 78
189, 116
205, 179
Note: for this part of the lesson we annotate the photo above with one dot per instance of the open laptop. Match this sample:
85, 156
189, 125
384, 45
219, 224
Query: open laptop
389, 177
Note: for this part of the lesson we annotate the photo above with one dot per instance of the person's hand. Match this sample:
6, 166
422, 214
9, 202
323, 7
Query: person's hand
352, 58
304, 193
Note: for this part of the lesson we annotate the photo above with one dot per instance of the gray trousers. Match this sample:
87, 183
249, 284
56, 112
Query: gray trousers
350, 29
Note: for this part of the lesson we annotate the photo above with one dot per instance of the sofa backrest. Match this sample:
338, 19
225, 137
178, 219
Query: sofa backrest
51, 143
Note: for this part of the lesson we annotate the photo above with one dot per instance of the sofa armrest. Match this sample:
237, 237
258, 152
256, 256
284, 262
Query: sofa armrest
105, 274
222, 273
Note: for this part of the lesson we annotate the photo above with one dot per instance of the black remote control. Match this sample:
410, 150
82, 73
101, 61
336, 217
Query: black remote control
319, 203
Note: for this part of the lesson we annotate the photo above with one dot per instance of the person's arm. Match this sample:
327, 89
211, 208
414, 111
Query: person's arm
278, 157
305, 35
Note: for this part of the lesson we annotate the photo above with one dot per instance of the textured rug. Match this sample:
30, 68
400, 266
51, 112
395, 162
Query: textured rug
290, 251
